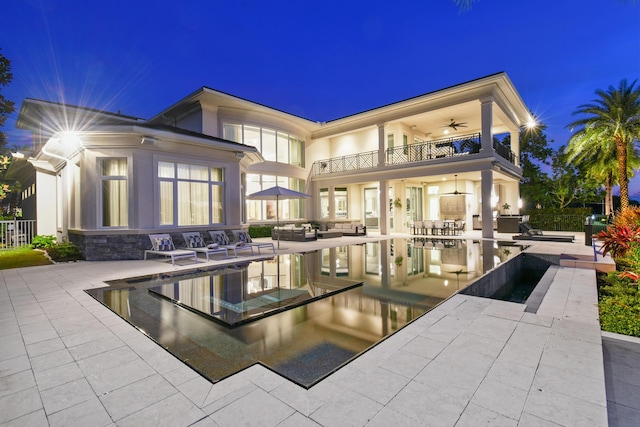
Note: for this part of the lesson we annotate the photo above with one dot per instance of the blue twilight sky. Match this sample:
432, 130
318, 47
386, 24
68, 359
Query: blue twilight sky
317, 59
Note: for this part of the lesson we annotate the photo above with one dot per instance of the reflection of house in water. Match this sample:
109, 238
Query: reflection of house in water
418, 271
332, 319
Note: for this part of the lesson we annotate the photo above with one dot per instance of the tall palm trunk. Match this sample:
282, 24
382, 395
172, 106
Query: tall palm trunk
608, 195
623, 179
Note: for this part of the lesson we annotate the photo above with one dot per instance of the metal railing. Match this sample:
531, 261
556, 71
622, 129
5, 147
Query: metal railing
16, 233
440, 148
351, 162
504, 151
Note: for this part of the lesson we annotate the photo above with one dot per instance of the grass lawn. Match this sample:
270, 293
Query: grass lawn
22, 257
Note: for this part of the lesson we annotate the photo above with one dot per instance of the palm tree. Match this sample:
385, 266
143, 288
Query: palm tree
598, 159
612, 120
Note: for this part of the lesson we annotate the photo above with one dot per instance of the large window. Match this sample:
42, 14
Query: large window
113, 177
274, 146
341, 203
190, 194
324, 203
289, 209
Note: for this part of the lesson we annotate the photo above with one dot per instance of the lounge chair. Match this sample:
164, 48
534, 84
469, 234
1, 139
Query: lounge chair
194, 241
162, 245
527, 232
243, 236
221, 238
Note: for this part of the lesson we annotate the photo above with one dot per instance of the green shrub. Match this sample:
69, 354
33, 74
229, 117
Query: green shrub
43, 242
64, 252
619, 304
260, 231
620, 315
630, 262
561, 219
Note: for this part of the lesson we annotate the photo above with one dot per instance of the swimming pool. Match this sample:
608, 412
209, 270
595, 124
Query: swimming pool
301, 315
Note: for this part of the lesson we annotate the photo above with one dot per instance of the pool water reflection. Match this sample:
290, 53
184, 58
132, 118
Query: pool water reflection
301, 315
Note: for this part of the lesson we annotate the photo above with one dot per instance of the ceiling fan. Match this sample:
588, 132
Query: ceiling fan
456, 192
455, 125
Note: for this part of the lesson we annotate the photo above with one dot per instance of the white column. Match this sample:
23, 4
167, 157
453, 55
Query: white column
486, 111
332, 202
384, 207
487, 207
515, 146
381, 147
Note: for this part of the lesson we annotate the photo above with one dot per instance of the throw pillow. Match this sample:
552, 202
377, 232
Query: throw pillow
221, 238
163, 244
244, 237
196, 242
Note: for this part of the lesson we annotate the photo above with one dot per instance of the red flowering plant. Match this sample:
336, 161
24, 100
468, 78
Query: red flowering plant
624, 231
617, 239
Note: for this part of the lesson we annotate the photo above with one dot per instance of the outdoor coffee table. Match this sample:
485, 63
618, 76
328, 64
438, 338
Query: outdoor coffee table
329, 234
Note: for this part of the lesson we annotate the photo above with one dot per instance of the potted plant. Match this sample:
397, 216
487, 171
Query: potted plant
506, 208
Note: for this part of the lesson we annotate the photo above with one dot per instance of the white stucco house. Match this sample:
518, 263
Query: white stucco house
106, 181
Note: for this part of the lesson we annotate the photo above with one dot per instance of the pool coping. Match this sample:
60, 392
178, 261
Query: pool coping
468, 361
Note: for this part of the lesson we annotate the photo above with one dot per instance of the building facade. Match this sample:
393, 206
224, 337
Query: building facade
106, 181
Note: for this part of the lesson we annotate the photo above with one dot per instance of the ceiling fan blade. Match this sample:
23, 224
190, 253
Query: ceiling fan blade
456, 192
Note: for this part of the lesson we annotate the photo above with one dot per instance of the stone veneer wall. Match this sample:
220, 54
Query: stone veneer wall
112, 247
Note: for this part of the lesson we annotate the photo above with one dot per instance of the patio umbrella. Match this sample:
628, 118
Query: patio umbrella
277, 193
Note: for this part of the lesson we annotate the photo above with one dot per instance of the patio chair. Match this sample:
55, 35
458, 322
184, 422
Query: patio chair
427, 225
417, 227
438, 227
243, 236
458, 227
195, 242
221, 238
162, 245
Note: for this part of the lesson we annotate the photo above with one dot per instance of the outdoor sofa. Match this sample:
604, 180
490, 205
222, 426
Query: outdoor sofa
349, 229
302, 233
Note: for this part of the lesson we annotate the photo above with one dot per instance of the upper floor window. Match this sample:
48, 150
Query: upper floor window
114, 198
190, 194
274, 146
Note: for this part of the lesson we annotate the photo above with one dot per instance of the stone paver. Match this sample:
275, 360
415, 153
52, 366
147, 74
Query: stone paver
67, 360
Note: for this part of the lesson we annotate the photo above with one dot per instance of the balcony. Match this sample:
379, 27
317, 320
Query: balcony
455, 147
348, 163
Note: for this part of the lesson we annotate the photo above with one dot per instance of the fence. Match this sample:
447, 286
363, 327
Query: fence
16, 233
553, 222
